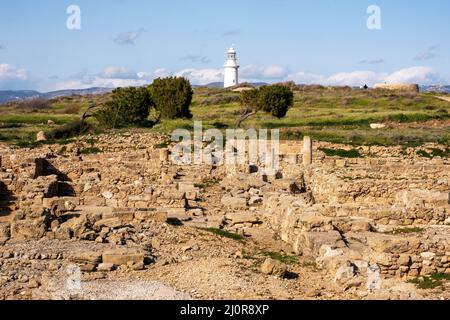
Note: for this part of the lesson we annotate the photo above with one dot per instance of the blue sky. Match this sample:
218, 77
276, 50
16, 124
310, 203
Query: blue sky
131, 42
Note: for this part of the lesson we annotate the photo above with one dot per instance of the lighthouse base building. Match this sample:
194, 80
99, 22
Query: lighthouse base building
231, 70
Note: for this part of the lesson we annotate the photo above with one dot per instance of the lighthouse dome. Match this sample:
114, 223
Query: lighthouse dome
231, 50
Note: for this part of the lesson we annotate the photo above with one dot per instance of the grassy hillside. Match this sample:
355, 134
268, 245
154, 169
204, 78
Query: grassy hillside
329, 114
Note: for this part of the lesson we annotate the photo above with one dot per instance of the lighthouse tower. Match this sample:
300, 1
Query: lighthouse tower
231, 69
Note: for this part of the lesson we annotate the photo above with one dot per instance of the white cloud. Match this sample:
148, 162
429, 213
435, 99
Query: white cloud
98, 82
356, 78
112, 77
253, 72
420, 75
12, 77
128, 38
118, 73
161, 73
201, 76
8, 71
306, 78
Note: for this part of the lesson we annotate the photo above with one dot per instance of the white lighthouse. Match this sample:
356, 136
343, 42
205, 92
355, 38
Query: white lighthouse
231, 69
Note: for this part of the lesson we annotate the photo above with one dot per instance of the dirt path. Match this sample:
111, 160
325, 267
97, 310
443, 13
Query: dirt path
443, 98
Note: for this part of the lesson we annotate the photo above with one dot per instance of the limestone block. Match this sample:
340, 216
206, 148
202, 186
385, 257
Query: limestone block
122, 256
274, 267
241, 218
29, 229
234, 202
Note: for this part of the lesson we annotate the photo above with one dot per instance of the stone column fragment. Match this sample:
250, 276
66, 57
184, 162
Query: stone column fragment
307, 151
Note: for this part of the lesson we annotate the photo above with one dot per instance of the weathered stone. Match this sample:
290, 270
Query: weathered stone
274, 267
40, 136
86, 257
94, 201
309, 243
345, 274
241, 218
404, 260
107, 195
157, 216
255, 200
106, 267
377, 126
28, 229
427, 255
234, 202
307, 151
122, 256
5, 230
63, 233
383, 259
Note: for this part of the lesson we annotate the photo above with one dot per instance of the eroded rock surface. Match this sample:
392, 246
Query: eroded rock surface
76, 226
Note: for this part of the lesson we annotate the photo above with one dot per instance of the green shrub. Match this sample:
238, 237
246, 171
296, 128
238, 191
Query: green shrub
280, 257
69, 130
162, 145
432, 282
249, 98
129, 106
353, 153
225, 234
172, 97
434, 153
276, 100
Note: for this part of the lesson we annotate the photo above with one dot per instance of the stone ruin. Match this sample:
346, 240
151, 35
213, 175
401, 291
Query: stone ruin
385, 214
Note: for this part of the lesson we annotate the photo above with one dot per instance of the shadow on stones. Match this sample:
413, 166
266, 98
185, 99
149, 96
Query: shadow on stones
291, 275
174, 222
46, 168
6, 199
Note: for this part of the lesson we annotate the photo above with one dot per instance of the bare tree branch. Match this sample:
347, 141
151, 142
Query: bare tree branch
244, 115
86, 115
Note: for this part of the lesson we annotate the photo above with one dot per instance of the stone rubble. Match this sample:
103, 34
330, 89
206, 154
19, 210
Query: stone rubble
361, 221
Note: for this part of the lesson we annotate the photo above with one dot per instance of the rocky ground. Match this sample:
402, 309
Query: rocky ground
197, 265
126, 224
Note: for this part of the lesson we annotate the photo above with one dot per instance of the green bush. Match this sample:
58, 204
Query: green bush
69, 130
172, 97
129, 106
276, 100
434, 153
225, 234
353, 153
249, 98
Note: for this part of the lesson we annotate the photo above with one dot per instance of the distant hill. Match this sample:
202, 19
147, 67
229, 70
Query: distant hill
81, 92
7, 96
212, 85
436, 88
